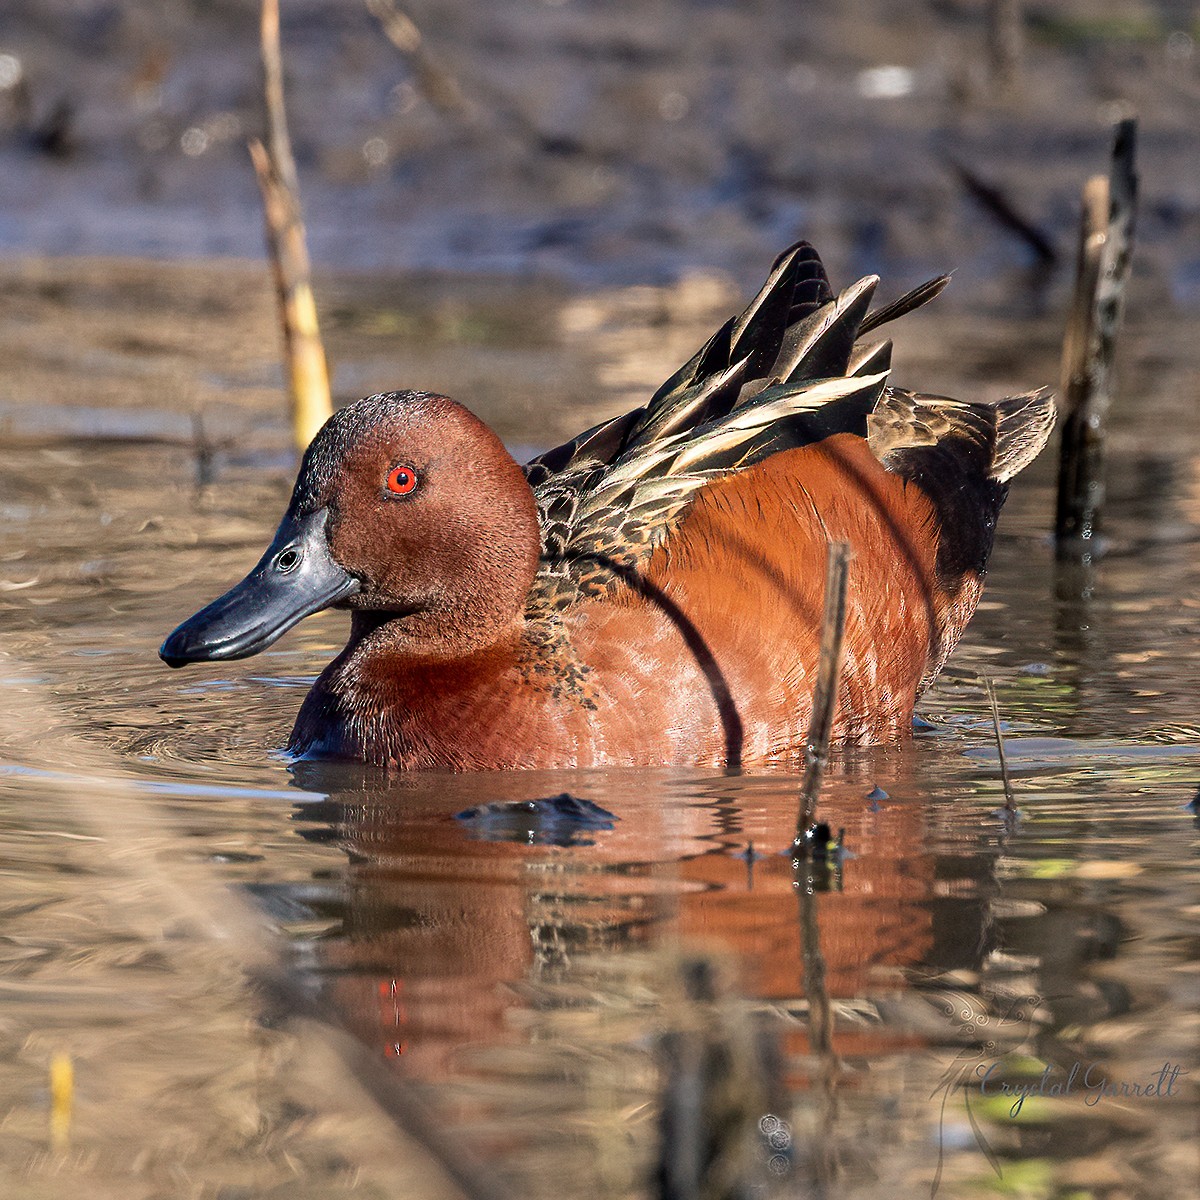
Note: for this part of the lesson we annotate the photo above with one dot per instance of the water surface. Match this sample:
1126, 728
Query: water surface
534, 961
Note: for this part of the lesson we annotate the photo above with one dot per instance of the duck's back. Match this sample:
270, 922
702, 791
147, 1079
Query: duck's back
717, 646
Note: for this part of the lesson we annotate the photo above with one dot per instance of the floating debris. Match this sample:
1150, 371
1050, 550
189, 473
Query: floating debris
561, 820
819, 844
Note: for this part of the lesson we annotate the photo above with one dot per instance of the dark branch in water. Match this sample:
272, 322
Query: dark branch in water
820, 728
1105, 249
483, 108
436, 84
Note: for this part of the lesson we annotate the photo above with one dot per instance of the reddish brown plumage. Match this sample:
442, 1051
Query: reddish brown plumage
708, 656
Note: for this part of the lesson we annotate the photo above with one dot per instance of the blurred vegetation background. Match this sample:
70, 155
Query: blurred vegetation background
615, 141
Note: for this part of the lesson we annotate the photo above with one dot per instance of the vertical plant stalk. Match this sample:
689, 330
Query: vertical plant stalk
308, 374
820, 727
1105, 249
1010, 803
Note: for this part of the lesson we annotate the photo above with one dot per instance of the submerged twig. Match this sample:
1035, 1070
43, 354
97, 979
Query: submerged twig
820, 727
1105, 249
1010, 803
275, 167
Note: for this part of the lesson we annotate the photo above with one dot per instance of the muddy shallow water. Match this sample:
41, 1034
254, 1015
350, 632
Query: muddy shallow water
530, 965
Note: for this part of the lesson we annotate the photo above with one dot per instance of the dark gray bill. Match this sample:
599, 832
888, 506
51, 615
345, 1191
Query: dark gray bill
294, 579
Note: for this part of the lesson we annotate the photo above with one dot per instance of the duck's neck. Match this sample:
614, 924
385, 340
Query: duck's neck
444, 633
396, 695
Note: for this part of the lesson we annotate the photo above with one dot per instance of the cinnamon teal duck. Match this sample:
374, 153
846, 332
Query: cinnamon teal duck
650, 592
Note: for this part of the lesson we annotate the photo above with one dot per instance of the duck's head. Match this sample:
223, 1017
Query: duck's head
406, 507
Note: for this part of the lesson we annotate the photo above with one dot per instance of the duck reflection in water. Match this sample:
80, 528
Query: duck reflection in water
454, 904
509, 937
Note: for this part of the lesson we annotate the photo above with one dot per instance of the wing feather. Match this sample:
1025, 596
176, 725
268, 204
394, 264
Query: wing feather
784, 373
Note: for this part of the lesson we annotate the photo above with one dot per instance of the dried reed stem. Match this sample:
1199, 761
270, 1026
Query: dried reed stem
820, 727
308, 374
1010, 802
1105, 249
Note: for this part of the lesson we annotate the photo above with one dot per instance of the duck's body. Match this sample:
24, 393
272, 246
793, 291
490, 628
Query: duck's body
652, 591
708, 657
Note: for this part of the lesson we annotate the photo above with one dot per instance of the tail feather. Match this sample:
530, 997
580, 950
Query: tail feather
795, 334
820, 346
999, 439
871, 360
1023, 426
783, 374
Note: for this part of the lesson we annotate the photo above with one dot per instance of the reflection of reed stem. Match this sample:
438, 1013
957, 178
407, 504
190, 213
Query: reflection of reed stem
820, 727
820, 1031
275, 167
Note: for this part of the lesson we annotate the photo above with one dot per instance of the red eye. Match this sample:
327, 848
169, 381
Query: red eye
401, 481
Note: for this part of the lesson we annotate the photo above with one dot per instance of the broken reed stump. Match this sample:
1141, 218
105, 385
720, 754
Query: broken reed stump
308, 374
820, 726
1105, 249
